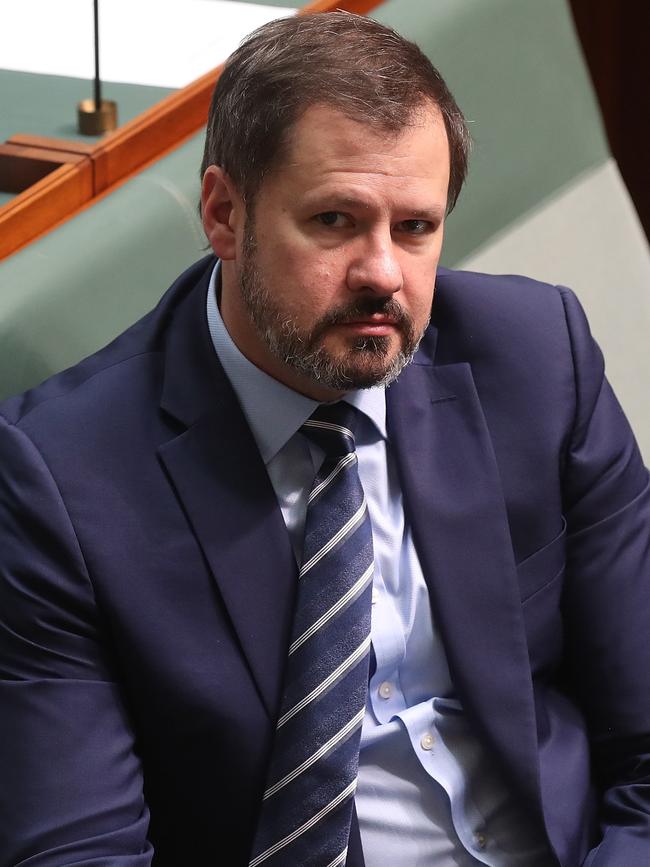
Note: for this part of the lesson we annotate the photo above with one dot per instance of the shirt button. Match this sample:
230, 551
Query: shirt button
385, 690
480, 841
375, 595
427, 741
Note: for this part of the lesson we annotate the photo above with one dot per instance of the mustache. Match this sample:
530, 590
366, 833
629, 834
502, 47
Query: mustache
363, 307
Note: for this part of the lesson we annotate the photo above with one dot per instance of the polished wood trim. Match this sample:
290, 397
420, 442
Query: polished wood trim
153, 132
53, 144
21, 167
45, 204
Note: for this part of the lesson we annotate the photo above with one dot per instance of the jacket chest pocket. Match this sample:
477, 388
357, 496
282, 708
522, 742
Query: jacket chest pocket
540, 583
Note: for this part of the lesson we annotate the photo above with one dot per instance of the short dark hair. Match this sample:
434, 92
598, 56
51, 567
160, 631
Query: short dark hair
347, 61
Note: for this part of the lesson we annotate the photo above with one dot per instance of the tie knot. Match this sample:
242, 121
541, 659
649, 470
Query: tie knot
331, 426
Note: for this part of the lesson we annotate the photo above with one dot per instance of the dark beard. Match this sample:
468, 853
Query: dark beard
364, 365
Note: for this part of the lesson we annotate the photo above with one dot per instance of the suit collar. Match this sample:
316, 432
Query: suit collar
190, 366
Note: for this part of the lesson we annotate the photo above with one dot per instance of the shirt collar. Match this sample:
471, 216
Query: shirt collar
274, 411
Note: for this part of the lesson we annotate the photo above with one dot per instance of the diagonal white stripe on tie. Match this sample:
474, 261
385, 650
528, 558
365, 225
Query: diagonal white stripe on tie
357, 588
341, 735
347, 664
340, 859
326, 425
345, 530
342, 464
349, 790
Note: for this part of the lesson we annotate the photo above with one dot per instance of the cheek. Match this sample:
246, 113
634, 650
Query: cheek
302, 286
292, 261
314, 281
418, 292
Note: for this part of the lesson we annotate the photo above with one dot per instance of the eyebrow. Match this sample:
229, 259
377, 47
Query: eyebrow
435, 212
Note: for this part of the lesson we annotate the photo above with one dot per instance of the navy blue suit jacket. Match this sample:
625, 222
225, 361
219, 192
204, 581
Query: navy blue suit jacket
147, 583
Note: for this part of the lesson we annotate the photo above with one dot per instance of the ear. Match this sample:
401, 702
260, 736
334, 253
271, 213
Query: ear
222, 211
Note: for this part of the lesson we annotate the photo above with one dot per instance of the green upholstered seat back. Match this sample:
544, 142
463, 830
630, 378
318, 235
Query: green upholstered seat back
76, 288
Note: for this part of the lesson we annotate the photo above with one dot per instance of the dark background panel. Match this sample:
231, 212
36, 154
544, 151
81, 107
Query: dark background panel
615, 35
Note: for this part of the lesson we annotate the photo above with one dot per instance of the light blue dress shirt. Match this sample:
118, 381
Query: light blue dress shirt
428, 794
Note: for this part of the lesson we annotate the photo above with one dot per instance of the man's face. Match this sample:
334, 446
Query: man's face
335, 270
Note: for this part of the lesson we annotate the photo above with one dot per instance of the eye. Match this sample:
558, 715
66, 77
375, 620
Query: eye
415, 227
333, 219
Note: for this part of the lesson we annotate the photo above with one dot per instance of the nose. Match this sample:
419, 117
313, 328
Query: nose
374, 268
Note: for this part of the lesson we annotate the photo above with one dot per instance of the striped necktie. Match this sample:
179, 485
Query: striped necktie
307, 806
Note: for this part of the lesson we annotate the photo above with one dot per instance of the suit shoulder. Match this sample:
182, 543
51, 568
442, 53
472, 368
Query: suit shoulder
508, 315
109, 377
495, 295
521, 337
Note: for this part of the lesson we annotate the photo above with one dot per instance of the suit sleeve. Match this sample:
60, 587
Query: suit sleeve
607, 603
70, 780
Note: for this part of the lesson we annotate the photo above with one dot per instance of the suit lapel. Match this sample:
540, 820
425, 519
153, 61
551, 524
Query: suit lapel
221, 481
454, 503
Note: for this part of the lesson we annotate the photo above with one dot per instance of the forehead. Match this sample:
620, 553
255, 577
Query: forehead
326, 148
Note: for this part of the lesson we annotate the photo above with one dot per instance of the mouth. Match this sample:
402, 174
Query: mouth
375, 324
369, 329
369, 318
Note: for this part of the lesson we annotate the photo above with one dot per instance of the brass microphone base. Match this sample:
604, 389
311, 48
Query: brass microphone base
96, 121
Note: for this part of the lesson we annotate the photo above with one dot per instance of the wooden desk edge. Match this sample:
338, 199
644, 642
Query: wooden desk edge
45, 204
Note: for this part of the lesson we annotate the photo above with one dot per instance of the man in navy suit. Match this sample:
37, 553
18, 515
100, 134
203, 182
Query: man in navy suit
152, 501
